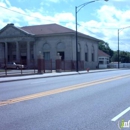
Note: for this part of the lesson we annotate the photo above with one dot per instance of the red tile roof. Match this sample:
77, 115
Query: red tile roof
49, 29
101, 53
46, 29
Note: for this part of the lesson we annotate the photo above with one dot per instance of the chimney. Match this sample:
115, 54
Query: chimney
11, 24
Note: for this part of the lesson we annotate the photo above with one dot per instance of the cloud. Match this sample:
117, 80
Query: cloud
108, 19
111, 17
64, 17
30, 17
56, 1
7, 2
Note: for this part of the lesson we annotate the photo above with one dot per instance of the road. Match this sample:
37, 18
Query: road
94, 101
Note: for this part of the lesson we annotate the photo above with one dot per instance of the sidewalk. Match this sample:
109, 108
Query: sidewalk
47, 75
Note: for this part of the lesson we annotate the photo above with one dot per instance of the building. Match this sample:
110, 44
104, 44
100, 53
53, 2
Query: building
25, 43
103, 59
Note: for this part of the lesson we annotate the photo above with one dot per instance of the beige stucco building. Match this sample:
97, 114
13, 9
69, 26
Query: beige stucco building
25, 43
103, 59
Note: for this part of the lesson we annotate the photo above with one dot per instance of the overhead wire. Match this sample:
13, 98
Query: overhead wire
54, 21
27, 14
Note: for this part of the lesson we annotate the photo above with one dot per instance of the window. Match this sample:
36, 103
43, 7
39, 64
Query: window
46, 51
46, 55
14, 57
86, 52
32, 57
61, 54
78, 56
92, 56
92, 53
86, 56
100, 62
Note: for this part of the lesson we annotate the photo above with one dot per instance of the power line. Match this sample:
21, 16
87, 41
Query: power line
102, 28
97, 27
17, 12
52, 20
28, 15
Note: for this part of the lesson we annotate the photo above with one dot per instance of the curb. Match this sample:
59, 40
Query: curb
76, 73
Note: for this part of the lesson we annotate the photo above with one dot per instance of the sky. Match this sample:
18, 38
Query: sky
99, 19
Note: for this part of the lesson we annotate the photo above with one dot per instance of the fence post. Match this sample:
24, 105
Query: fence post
40, 63
58, 63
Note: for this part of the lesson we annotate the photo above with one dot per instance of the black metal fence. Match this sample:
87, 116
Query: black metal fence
16, 68
32, 68
68, 65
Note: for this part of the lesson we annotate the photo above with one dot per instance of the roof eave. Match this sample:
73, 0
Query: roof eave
69, 33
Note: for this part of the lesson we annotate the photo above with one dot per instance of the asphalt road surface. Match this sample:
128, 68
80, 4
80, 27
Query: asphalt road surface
94, 101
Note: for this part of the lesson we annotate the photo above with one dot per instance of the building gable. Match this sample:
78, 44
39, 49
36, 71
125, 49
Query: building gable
11, 31
102, 54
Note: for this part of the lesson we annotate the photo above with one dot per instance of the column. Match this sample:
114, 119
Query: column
17, 52
40, 63
28, 54
6, 52
1, 52
34, 51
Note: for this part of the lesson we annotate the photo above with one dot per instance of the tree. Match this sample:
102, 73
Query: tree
124, 57
104, 46
114, 58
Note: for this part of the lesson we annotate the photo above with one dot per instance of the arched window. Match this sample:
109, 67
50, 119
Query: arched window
46, 51
60, 47
86, 52
92, 53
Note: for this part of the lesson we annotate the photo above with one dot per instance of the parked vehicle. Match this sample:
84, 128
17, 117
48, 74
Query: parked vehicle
12, 65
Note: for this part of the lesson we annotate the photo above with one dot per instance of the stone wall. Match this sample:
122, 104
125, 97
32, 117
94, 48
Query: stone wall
66, 44
55, 43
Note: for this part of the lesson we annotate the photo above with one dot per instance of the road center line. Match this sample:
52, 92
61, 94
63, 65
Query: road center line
121, 114
60, 90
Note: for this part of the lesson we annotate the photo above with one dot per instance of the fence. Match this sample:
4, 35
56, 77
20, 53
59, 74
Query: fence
121, 65
47, 66
16, 68
11, 69
68, 65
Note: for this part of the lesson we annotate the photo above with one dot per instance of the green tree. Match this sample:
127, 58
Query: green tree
124, 57
114, 58
104, 46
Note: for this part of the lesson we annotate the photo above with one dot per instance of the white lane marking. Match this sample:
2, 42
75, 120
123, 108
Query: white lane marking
121, 114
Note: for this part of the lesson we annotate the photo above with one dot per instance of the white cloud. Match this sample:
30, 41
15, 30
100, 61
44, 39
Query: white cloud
64, 17
110, 18
7, 2
55, 1
2, 4
31, 17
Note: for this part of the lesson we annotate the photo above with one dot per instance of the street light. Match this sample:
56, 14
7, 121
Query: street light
77, 9
118, 43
